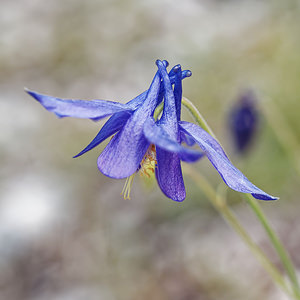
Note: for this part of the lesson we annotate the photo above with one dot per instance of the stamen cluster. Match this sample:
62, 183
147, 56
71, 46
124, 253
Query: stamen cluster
149, 162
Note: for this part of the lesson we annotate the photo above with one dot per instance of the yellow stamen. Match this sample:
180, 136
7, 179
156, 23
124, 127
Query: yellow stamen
149, 162
127, 187
147, 169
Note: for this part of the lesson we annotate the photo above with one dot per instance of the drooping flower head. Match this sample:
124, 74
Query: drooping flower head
128, 149
140, 140
243, 121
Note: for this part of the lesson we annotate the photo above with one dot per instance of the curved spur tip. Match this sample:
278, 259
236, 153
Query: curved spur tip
158, 61
188, 73
177, 68
166, 63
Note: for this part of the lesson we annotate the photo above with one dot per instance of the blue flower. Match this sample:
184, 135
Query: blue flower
141, 143
168, 170
128, 150
243, 121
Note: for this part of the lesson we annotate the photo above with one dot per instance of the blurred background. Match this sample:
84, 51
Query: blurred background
65, 230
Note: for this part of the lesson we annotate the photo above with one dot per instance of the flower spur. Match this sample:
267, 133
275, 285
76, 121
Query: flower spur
168, 171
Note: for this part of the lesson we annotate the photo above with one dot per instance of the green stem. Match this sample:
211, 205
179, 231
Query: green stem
220, 204
285, 259
255, 207
158, 110
197, 116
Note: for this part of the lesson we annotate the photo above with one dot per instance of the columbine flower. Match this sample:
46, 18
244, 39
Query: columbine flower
168, 170
243, 121
128, 151
141, 143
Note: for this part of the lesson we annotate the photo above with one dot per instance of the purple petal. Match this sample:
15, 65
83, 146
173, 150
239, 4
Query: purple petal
123, 154
157, 136
169, 117
178, 91
184, 138
79, 108
113, 124
230, 174
87, 109
169, 175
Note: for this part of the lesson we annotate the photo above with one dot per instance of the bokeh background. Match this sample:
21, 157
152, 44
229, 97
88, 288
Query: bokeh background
65, 230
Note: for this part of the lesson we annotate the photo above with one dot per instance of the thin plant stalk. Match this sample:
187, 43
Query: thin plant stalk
197, 116
285, 259
287, 263
158, 110
220, 204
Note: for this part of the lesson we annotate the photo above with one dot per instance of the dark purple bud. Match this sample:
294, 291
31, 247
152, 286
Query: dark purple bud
244, 121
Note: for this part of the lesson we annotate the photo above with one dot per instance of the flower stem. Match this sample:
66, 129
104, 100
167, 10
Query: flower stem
158, 110
196, 114
257, 210
220, 204
284, 257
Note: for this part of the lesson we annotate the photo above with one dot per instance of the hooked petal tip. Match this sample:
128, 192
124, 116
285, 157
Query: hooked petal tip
177, 68
158, 62
188, 73
166, 63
